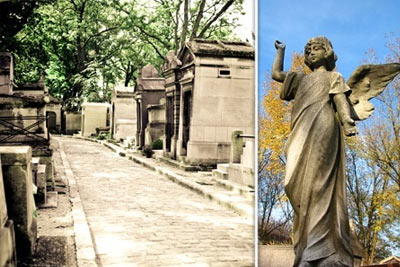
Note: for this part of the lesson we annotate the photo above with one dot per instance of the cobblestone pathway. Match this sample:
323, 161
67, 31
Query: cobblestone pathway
140, 218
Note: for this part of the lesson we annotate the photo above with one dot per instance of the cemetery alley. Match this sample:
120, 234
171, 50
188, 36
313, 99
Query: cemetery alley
124, 214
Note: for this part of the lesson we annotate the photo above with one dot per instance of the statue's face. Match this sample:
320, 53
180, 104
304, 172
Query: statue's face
315, 55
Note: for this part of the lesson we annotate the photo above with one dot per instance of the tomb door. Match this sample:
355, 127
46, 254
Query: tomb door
139, 123
108, 117
51, 121
169, 130
114, 125
187, 110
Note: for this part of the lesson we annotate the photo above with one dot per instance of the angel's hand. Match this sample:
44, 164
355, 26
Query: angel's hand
349, 127
279, 45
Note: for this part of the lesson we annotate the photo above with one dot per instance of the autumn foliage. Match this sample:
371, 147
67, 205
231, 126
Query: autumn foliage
274, 129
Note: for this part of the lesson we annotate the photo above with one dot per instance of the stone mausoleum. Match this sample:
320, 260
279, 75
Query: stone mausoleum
94, 115
123, 113
149, 89
214, 83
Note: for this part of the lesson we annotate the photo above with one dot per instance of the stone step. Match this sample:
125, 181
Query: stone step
223, 167
242, 190
220, 174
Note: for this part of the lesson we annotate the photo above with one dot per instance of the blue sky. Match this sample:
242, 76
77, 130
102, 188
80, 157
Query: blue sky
353, 27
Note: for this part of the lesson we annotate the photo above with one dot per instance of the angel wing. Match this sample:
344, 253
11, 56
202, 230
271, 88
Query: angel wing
366, 82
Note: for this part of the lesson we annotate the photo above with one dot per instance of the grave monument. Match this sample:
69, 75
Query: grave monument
94, 115
211, 84
149, 89
123, 113
315, 174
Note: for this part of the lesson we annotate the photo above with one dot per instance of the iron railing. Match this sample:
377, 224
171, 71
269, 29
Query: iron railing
17, 129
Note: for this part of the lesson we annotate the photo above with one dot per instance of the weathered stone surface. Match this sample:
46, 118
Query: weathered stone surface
15, 155
7, 245
17, 175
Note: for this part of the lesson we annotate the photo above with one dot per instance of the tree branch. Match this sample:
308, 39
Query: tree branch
198, 19
216, 17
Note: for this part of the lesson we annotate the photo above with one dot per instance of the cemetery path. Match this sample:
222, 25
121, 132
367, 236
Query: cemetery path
137, 217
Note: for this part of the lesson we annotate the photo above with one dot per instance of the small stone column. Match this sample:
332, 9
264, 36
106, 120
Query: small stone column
17, 174
236, 147
6, 73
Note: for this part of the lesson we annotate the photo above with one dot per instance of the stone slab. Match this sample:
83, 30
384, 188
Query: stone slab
7, 245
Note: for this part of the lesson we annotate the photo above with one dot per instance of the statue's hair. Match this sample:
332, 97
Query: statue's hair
330, 54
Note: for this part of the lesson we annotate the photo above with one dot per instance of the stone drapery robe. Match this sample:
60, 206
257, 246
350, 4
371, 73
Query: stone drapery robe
315, 175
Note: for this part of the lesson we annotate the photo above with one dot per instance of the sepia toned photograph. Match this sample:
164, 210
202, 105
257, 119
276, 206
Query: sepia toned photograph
328, 143
127, 133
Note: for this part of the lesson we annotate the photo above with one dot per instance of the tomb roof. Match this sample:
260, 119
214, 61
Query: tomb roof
220, 48
149, 71
22, 100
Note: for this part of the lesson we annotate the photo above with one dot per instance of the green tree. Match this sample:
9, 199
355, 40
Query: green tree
85, 47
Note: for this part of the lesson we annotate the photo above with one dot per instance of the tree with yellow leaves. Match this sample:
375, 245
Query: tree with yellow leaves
373, 173
274, 128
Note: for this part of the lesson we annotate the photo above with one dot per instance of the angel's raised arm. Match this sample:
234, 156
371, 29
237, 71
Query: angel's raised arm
277, 68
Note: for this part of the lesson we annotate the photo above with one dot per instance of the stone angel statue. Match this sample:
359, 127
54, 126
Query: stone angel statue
315, 170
